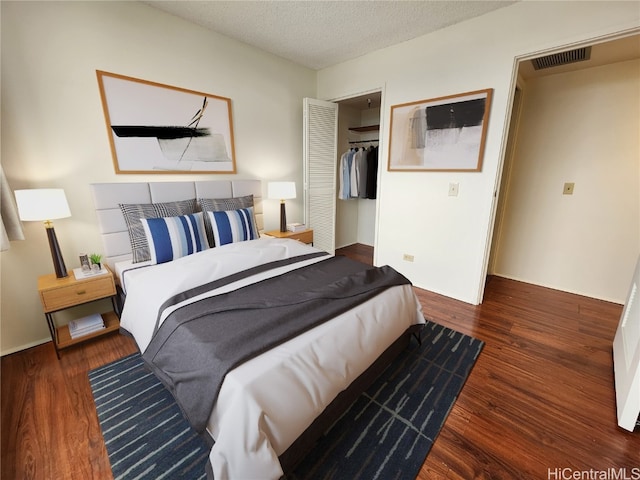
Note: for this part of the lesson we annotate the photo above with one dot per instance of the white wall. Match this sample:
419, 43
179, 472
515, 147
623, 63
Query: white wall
54, 134
449, 236
581, 127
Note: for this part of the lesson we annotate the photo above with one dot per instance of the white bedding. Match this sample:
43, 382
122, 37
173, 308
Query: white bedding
267, 402
126, 266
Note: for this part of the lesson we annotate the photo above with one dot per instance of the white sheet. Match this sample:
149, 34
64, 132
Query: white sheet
266, 403
121, 267
125, 265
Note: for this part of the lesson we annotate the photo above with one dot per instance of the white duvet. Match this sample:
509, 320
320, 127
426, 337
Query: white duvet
267, 402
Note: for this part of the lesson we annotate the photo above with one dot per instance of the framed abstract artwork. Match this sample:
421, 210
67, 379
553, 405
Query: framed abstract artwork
156, 128
440, 134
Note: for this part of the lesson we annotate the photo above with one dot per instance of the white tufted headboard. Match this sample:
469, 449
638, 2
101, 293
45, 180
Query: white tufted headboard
108, 196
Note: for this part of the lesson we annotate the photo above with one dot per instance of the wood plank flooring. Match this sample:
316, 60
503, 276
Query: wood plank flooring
540, 397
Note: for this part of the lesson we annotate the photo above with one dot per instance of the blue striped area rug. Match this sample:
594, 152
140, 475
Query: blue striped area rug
145, 433
386, 433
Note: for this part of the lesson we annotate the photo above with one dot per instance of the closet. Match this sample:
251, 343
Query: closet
329, 130
358, 129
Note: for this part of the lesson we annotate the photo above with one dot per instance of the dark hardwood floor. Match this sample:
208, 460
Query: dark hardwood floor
358, 251
540, 397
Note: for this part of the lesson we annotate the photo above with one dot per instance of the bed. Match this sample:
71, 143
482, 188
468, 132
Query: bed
268, 408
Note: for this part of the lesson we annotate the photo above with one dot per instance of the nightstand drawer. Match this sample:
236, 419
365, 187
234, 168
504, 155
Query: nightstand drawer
77, 293
304, 237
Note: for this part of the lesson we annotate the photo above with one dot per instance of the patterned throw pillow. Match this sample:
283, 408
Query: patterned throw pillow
222, 205
233, 226
133, 212
174, 237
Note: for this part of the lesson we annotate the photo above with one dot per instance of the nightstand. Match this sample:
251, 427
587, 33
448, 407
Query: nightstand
305, 236
58, 294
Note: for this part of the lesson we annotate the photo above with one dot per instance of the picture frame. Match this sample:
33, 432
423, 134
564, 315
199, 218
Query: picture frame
85, 265
157, 128
440, 134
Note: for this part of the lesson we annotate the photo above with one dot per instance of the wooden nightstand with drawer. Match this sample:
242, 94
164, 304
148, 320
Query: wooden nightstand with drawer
304, 236
61, 293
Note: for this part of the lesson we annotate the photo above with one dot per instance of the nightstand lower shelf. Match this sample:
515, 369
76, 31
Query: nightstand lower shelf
64, 340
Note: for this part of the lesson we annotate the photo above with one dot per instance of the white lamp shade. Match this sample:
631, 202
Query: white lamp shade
281, 190
41, 204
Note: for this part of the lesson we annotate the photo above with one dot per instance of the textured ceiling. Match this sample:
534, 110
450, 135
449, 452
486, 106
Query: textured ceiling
318, 34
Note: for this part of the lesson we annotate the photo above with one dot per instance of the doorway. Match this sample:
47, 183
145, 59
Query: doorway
358, 128
542, 234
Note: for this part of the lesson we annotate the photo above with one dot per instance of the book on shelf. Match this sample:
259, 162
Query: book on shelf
296, 227
85, 325
82, 333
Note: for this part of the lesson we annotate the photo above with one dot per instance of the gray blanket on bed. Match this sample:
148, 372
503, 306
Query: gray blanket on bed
199, 343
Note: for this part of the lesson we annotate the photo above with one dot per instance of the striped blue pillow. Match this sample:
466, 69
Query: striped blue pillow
174, 237
233, 226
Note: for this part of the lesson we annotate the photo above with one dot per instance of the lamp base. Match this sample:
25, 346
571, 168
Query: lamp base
283, 217
56, 253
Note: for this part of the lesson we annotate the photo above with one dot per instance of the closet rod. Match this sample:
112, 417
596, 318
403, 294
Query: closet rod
364, 141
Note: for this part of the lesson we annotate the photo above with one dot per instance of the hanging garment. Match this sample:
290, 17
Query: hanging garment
362, 173
345, 175
355, 173
372, 172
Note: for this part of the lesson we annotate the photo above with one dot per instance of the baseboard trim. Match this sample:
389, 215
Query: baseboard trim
24, 347
555, 287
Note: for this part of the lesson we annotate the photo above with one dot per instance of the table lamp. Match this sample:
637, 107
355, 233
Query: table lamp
45, 204
282, 191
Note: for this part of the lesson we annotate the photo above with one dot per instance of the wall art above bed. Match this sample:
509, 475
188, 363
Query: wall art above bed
442, 134
156, 128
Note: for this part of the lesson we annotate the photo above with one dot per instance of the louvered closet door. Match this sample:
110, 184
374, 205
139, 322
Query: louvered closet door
320, 167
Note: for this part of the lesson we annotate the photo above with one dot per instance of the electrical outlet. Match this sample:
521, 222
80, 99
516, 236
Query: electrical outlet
453, 189
568, 189
407, 258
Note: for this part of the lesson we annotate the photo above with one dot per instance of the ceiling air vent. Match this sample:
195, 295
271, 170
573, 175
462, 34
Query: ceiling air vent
562, 58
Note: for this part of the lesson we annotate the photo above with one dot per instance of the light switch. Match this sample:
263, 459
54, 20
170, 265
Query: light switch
453, 189
568, 189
